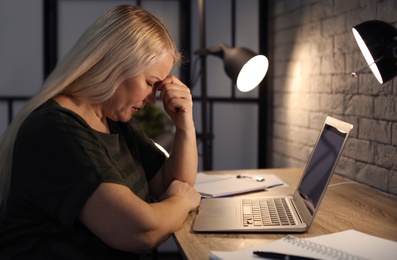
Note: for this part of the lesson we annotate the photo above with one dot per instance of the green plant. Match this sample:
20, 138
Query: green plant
154, 121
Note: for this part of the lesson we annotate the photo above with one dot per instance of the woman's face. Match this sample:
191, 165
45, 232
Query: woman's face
135, 92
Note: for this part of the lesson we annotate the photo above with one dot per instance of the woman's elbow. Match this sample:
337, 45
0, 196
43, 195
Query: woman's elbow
150, 241
138, 243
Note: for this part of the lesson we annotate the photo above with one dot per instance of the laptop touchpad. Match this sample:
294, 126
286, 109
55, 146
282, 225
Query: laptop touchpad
220, 211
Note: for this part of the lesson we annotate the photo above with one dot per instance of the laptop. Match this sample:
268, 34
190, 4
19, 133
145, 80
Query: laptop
287, 213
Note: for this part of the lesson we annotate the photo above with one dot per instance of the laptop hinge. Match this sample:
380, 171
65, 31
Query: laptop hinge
296, 211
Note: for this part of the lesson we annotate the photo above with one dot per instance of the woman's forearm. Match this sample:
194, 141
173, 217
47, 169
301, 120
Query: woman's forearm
183, 161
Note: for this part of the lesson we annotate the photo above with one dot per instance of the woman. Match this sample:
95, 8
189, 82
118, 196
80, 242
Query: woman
77, 172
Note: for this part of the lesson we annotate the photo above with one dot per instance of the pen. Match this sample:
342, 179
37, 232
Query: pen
259, 179
275, 185
280, 256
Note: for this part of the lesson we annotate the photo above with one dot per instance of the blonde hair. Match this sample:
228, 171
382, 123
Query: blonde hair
122, 43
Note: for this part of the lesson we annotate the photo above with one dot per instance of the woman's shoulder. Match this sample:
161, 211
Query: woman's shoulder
51, 119
52, 127
51, 113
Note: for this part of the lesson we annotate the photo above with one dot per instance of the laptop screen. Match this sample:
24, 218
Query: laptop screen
320, 166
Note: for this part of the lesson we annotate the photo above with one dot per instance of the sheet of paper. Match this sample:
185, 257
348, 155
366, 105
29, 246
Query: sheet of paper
217, 185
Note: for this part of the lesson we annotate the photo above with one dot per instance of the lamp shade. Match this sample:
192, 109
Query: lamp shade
377, 41
246, 68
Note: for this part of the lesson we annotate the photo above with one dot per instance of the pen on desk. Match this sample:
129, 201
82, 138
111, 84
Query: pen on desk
259, 179
275, 185
279, 256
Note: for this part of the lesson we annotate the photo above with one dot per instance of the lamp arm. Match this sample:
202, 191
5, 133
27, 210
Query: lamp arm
217, 50
201, 52
356, 73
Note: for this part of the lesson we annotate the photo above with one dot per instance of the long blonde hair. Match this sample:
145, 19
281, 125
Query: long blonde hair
118, 45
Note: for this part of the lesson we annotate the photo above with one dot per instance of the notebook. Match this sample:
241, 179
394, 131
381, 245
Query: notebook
258, 214
345, 245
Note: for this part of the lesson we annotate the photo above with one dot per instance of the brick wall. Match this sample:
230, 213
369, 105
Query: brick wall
312, 53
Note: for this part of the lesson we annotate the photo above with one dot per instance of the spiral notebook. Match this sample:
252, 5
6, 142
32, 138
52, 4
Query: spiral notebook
345, 245
217, 185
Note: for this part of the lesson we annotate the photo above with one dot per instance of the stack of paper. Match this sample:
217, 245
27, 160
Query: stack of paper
218, 185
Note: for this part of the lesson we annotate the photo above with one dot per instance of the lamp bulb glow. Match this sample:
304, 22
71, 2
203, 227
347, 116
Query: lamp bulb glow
252, 73
367, 55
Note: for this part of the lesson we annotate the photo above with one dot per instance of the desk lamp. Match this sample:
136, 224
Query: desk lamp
378, 43
243, 66
234, 60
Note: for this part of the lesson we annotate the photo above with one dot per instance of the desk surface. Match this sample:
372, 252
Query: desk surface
345, 206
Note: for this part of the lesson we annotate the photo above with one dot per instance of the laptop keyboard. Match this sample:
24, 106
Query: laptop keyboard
266, 212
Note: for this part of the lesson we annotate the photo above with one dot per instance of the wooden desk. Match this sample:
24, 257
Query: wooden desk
345, 206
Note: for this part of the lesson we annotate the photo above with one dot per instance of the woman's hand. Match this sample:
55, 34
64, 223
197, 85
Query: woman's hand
177, 102
182, 190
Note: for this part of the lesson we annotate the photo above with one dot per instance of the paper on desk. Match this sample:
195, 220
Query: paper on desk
217, 185
351, 242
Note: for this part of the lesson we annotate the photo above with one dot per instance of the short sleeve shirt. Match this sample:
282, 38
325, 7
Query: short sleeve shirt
58, 162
